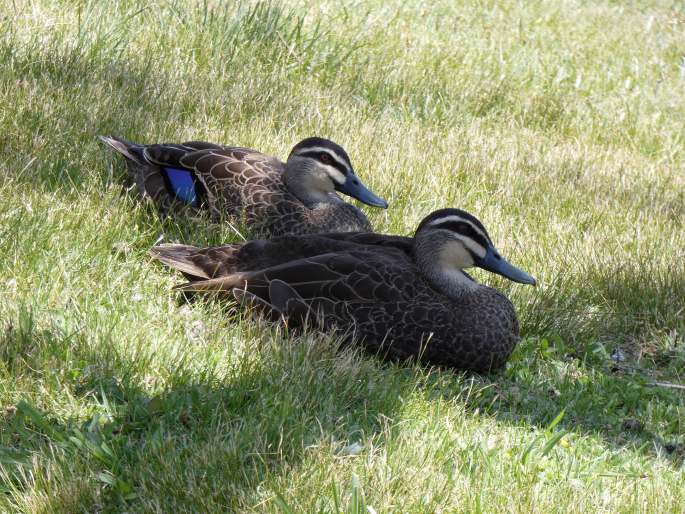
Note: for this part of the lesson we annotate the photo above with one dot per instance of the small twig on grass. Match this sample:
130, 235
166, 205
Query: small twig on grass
668, 385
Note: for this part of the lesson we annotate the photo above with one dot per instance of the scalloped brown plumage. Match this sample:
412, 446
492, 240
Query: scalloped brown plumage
237, 182
368, 287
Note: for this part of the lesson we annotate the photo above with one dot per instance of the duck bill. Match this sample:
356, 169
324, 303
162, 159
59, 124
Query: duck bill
495, 263
353, 187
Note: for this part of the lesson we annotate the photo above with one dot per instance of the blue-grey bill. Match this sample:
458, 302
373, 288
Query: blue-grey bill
354, 188
495, 263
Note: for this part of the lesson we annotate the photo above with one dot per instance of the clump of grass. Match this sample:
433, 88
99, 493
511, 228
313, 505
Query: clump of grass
559, 126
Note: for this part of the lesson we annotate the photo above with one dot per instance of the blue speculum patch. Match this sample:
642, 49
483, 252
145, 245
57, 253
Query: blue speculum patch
182, 184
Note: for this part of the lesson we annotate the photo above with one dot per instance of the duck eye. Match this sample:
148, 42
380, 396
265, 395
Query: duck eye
325, 158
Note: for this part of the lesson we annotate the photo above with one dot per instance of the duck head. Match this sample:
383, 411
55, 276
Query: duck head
317, 167
448, 241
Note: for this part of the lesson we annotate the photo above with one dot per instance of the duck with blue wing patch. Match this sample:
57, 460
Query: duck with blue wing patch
299, 196
402, 297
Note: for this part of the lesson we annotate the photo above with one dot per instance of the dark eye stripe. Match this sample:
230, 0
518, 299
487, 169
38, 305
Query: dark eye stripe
463, 228
333, 162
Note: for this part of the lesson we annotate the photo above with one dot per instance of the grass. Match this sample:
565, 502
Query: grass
559, 124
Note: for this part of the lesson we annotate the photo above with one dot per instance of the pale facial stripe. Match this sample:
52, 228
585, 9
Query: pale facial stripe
334, 173
456, 219
332, 155
469, 243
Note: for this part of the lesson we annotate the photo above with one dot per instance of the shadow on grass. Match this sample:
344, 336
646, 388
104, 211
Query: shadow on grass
597, 346
618, 405
632, 306
54, 142
242, 431
258, 424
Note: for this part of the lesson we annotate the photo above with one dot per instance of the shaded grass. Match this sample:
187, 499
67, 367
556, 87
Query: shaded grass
558, 124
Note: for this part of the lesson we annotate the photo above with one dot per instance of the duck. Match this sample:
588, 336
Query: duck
404, 298
273, 198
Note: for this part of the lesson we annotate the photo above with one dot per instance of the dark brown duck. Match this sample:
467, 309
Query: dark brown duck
398, 296
274, 198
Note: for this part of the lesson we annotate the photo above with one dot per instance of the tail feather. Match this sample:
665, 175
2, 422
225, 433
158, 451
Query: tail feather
215, 270
122, 146
272, 298
220, 284
283, 296
180, 257
199, 263
257, 304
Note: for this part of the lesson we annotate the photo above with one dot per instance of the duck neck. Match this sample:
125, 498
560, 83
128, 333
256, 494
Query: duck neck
311, 186
435, 262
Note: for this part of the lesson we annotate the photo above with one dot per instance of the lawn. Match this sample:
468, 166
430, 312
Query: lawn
561, 125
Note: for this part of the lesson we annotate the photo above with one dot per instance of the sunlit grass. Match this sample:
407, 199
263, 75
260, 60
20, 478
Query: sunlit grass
559, 124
